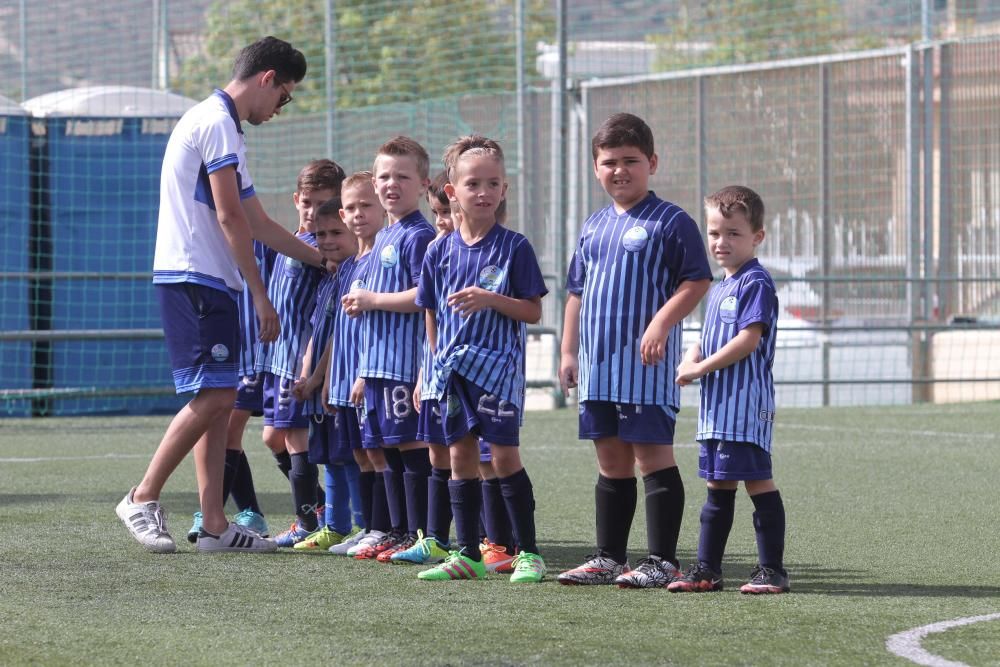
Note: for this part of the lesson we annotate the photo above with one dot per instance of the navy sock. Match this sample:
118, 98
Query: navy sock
417, 465
338, 509
664, 511
366, 488
439, 505
243, 491
716, 522
769, 524
495, 518
229, 472
395, 491
353, 473
304, 477
380, 506
615, 501
466, 498
519, 497
284, 461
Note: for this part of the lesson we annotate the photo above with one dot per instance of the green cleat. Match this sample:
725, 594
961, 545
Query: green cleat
528, 568
320, 540
424, 550
456, 566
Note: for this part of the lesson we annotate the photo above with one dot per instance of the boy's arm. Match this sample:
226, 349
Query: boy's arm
471, 299
235, 227
363, 300
569, 364
273, 235
653, 347
738, 348
302, 387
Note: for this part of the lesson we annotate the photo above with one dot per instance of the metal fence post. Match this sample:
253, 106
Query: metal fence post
824, 221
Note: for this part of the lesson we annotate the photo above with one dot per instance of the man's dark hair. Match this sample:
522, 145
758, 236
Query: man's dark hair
623, 129
270, 53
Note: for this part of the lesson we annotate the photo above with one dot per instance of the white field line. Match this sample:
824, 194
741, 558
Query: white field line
943, 435
906, 644
96, 457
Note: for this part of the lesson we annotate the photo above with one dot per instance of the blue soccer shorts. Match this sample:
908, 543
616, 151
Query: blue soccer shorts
201, 329
638, 424
734, 461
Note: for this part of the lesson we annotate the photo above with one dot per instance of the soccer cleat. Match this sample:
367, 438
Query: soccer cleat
292, 536
697, 579
387, 541
597, 569
456, 566
349, 542
528, 568
320, 540
403, 544
764, 580
147, 522
423, 550
252, 520
495, 558
235, 538
195, 528
371, 538
651, 572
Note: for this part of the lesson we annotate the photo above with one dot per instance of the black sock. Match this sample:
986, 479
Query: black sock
664, 511
395, 491
284, 461
366, 481
769, 524
417, 468
615, 500
233, 462
304, 477
716, 522
519, 497
439, 505
466, 498
243, 491
380, 506
495, 517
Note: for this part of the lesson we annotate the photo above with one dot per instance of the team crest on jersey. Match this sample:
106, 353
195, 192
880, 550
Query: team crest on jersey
389, 257
292, 263
635, 239
727, 310
491, 277
357, 284
220, 352
450, 406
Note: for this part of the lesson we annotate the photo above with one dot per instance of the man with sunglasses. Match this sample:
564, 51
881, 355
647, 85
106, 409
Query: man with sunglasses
209, 215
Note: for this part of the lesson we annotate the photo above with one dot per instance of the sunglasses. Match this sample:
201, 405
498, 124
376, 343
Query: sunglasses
285, 97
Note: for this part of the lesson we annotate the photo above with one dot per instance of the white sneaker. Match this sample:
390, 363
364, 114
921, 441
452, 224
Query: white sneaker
342, 548
148, 524
369, 540
236, 538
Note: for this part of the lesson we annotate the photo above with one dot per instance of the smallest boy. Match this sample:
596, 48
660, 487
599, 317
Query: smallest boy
734, 363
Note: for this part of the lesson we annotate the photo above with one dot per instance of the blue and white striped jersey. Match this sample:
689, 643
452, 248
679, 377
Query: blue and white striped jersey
486, 348
249, 328
391, 342
625, 268
346, 330
322, 320
292, 291
737, 402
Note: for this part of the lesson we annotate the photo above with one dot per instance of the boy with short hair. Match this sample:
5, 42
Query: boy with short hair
292, 288
736, 415
392, 332
638, 270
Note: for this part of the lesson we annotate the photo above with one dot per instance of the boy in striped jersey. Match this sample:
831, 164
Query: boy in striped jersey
639, 269
480, 284
392, 333
734, 363
292, 290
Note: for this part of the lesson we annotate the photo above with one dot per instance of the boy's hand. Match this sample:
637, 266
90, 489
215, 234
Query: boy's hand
416, 395
328, 407
358, 302
303, 389
469, 300
689, 369
358, 392
569, 371
653, 346
267, 318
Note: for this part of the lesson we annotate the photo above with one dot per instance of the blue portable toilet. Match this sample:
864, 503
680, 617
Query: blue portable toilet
15, 227
100, 150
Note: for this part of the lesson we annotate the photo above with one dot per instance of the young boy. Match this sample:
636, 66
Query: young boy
292, 288
638, 270
392, 333
734, 363
480, 284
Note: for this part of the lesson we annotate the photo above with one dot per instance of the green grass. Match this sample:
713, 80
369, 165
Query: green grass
892, 523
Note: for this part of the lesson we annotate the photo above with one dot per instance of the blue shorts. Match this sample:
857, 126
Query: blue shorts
734, 461
390, 419
468, 408
638, 424
250, 394
485, 454
430, 428
347, 424
327, 445
201, 327
281, 409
